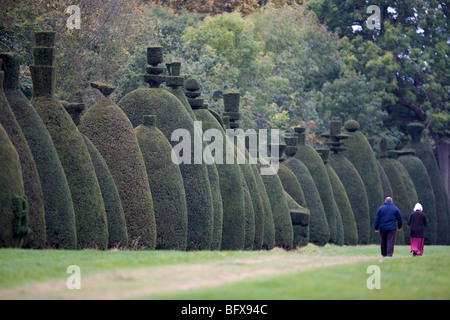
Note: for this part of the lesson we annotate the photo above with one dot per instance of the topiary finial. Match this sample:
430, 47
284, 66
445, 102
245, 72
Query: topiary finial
104, 88
351, 125
415, 130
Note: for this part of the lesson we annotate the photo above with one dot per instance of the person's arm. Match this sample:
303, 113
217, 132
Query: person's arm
425, 219
409, 219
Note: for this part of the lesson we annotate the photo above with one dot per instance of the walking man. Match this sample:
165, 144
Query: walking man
388, 221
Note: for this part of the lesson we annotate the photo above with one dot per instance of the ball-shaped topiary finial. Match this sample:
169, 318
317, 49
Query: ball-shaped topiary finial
351, 125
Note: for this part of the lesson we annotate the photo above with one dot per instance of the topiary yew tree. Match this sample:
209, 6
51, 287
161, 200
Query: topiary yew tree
351, 180
361, 156
172, 115
424, 189
90, 214
312, 160
58, 206
109, 129
166, 181
13, 203
33, 190
425, 153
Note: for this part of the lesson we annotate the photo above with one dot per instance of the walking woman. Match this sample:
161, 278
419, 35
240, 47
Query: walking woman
417, 222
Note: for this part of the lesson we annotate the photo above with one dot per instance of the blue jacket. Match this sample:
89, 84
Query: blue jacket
388, 217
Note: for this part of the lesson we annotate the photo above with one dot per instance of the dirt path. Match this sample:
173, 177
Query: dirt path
153, 281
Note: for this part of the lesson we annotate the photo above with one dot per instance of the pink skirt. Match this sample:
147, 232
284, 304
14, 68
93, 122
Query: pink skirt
417, 245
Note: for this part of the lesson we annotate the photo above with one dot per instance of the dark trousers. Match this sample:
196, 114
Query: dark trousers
387, 242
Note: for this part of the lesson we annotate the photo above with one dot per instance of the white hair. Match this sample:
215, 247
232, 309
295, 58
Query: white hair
418, 207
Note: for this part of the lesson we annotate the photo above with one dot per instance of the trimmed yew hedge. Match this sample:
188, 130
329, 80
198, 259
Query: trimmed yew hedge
363, 159
356, 192
232, 182
13, 203
172, 115
312, 160
58, 206
319, 232
166, 181
425, 153
117, 227
33, 191
424, 189
350, 232
293, 188
112, 134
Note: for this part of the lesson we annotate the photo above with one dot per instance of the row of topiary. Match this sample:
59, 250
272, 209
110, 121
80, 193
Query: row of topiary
105, 177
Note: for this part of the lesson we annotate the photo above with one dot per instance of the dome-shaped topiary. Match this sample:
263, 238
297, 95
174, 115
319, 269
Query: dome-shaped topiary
58, 206
90, 214
174, 82
318, 226
166, 181
172, 115
361, 155
350, 232
425, 153
352, 182
32, 185
13, 203
232, 190
424, 189
312, 160
284, 232
403, 196
293, 188
117, 227
112, 134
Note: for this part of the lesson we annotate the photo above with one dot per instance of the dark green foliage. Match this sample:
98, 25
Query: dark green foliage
356, 192
213, 176
257, 202
312, 160
232, 190
117, 227
112, 134
412, 193
385, 184
339, 226
319, 232
363, 159
33, 191
264, 228
166, 182
59, 211
403, 196
172, 115
300, 221
249, 218
90, 214
424, 189
350, 232
292, 186
425, 153
284, 233
13, 204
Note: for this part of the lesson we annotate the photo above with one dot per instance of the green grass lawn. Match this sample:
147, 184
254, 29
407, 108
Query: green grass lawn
328, 272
